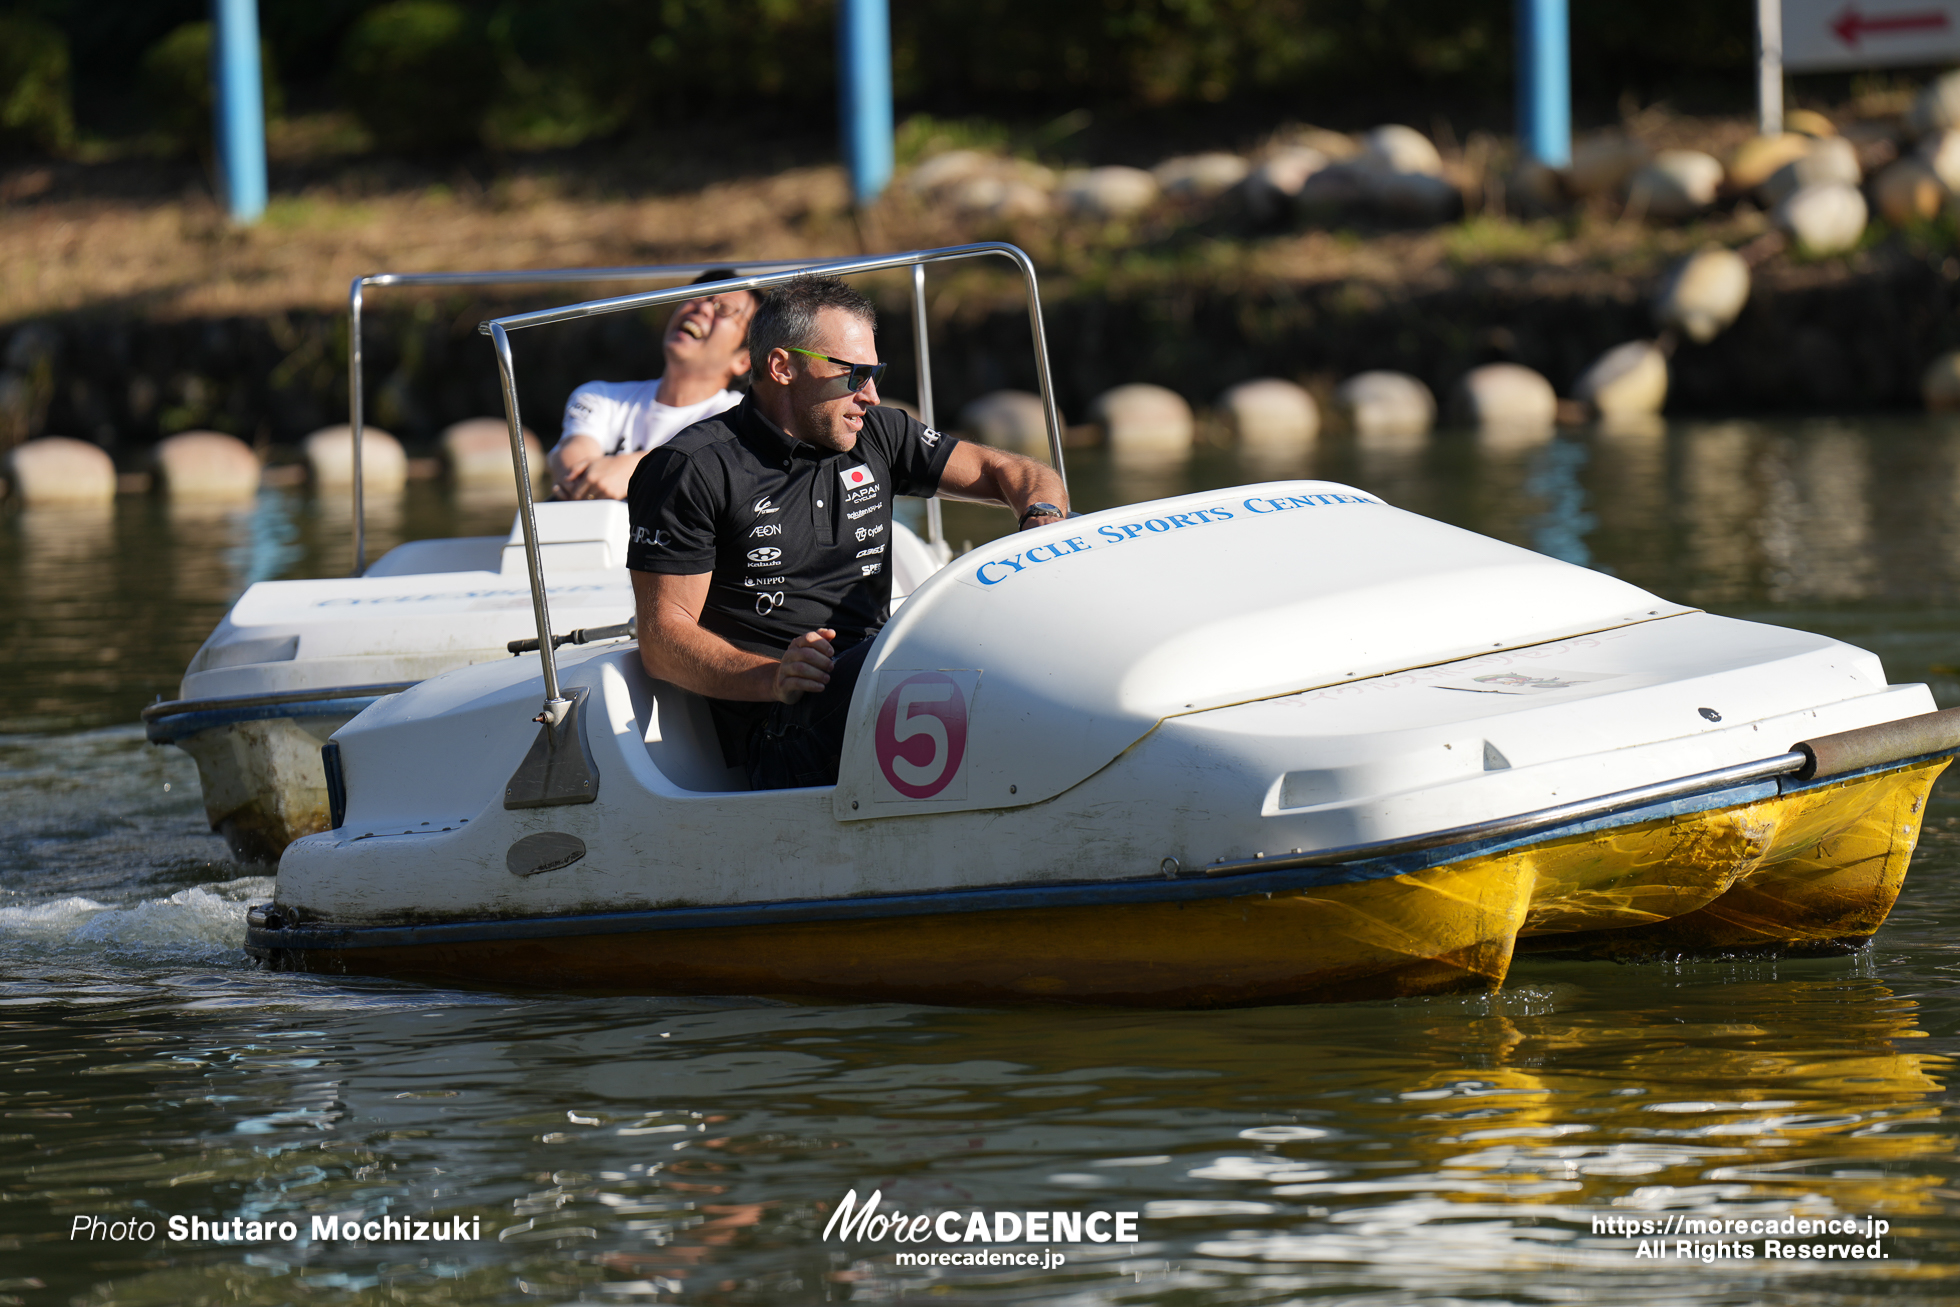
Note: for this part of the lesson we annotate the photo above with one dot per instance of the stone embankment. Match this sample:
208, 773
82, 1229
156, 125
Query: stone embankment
1812, 337
1783, 297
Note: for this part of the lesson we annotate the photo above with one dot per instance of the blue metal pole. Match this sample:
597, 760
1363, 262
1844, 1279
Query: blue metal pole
864, 94
239, 119
1544, 82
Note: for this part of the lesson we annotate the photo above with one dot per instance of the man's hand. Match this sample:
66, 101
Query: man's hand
605, 477
805, 668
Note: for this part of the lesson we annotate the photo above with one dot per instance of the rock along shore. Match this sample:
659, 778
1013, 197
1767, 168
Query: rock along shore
1819, 337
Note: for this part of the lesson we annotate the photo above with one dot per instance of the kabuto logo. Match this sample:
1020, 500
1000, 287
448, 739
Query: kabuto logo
855, 478
764, 557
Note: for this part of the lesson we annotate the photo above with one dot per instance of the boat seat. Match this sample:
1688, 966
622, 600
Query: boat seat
679, 733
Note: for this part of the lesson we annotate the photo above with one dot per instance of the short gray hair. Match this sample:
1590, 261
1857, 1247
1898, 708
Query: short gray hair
787, 316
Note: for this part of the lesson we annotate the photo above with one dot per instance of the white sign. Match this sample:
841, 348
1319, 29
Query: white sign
1823, 34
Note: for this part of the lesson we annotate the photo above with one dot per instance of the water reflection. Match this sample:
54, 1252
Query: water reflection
270, 545
643, 1150
1561, 527
631, 1148
1816, 516
1720, 512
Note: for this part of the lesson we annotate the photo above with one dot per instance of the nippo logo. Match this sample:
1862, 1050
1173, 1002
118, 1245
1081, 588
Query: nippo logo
853, 477
921, 733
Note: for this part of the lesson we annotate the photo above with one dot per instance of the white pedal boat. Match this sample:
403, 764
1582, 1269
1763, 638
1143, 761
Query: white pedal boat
1278, 743
293, 661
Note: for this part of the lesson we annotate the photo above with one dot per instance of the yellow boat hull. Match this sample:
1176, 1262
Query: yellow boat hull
1816, 868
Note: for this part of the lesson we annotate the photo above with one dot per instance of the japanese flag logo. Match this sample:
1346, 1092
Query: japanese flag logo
853, 477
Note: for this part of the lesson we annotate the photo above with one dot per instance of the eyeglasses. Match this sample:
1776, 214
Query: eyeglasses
725, 305
861, 374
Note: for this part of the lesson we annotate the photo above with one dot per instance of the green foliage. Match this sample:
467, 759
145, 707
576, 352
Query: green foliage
419, 74
921, 136
1163, 52
543, 73
36, 106
738, 55
177, 84
552, 96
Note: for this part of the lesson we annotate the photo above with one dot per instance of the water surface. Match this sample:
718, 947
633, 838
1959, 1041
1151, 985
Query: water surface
621, 1149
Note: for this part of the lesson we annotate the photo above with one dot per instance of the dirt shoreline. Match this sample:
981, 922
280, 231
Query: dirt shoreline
128, 311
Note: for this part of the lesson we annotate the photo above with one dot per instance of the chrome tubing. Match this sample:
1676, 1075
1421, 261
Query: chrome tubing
355, 422
555, 704
499, 329
836, 268
356, 394
922, 356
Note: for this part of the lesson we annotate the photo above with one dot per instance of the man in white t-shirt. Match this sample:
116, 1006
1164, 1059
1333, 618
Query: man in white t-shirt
610, 425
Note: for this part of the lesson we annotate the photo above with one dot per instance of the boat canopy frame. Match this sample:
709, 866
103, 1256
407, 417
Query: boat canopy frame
356, 354
556, 705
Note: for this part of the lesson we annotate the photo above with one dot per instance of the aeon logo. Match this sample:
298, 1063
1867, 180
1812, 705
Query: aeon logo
921, 733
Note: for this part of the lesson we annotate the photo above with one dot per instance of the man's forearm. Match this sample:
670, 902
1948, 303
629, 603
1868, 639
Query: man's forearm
1025, 481
1011, 479
701, 661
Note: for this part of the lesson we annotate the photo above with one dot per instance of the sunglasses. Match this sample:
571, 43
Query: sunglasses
861, 374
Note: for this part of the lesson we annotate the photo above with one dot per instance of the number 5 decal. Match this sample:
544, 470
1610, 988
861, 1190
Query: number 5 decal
920, 734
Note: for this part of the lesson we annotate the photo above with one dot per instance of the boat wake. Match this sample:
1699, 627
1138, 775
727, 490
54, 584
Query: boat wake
205, 924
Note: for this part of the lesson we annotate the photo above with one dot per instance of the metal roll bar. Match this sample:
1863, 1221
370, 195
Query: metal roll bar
356, 389
499, 329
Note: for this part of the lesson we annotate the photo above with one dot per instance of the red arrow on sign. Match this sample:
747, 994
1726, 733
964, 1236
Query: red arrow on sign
1851, 26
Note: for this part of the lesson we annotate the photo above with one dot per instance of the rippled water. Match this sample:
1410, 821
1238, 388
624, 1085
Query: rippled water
634, 1149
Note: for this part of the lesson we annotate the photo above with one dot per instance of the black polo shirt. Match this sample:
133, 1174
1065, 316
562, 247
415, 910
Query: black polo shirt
797, 537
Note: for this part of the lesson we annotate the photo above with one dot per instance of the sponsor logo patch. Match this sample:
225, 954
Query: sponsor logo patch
871, 569
751, 582
657, 538
866, 532
765, 556
768, 529
875, 549
861, 512
768, 601
763, 507
855, 477
929, 438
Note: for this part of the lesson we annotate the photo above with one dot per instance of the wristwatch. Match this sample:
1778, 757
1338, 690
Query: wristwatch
1041, 510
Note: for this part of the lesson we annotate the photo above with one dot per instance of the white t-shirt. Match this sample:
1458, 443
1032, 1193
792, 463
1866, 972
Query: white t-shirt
627, 417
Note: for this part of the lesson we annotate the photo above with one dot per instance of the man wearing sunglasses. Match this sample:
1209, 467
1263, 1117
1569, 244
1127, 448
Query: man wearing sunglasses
761, 538
610, 425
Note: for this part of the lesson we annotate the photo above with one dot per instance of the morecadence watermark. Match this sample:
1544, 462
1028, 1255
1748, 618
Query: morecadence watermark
1681, 1238
853, 1222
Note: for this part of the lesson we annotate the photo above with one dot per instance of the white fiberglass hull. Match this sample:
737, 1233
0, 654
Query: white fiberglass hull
1291, 676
